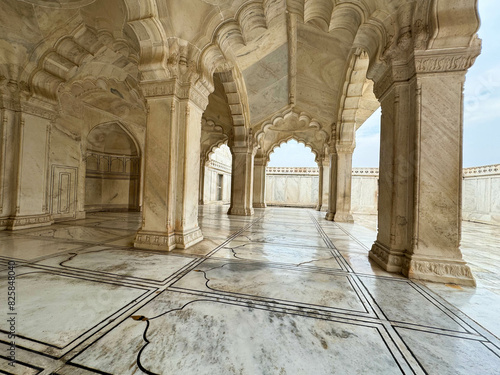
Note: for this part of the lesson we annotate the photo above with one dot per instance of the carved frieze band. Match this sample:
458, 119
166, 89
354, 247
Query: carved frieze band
197, 93
40, 109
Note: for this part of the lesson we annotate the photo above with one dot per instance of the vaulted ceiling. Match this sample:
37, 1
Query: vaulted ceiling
263, 59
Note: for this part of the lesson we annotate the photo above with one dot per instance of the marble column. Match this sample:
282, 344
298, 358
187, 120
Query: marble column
326, 183
420, 169
320, 183
201, 190
172, 165
332, 187
242, 172
25, 143
344, 176
259, 183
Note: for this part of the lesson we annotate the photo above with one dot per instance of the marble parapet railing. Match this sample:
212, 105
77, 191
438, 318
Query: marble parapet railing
371, 172
293, 170
213, 164
486, 170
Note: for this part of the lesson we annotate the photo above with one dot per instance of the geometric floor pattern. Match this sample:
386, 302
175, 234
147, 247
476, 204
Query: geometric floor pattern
281, 292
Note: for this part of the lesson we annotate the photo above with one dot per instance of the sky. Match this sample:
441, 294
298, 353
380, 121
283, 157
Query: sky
481, 110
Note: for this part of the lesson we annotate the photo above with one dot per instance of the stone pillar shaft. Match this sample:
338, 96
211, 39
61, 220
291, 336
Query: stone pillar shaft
242, 182
332, 190
419, 226
172, 165
320, 184
259, 183
344, 175
326, 184
201, 190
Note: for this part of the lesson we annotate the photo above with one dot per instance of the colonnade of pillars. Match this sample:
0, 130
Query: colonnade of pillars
419, 217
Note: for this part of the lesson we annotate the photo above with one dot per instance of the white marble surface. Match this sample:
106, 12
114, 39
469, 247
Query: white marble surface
187, 333
292, 189
253, 301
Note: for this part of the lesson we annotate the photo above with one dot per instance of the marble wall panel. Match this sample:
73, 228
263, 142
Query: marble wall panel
481, 199
293, 190
33, 162
63, 192
364, 194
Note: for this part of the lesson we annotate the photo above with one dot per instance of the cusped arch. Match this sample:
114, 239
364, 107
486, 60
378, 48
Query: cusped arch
357, 101
214, 147
316, 152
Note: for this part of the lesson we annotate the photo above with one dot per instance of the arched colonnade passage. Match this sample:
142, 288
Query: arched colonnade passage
254, 68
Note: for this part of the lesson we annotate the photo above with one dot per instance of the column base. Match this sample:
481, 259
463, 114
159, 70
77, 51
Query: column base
329, 216
389, 260
154, 240
343, 217
259, 205
318, 207
187, 239
438, 270
240, 211
26, 222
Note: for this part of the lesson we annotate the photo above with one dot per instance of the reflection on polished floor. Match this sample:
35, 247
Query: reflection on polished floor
282, 292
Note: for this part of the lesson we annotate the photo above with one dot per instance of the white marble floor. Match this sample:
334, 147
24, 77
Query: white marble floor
282, 292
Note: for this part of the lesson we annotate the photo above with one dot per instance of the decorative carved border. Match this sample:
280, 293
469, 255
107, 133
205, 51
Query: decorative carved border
154, 241
23, 222
438, 271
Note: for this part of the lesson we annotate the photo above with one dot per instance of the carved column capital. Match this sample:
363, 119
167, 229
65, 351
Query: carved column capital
345, 148
196, 92
440, 61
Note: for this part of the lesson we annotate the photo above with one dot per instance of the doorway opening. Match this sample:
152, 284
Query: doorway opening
292, 176
217, 176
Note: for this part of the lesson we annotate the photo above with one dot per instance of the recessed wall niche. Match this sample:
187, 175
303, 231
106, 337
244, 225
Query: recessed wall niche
112, 175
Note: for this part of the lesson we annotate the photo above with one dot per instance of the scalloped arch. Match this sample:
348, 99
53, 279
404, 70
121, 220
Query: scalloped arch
288, 138
357, 93
214, 147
